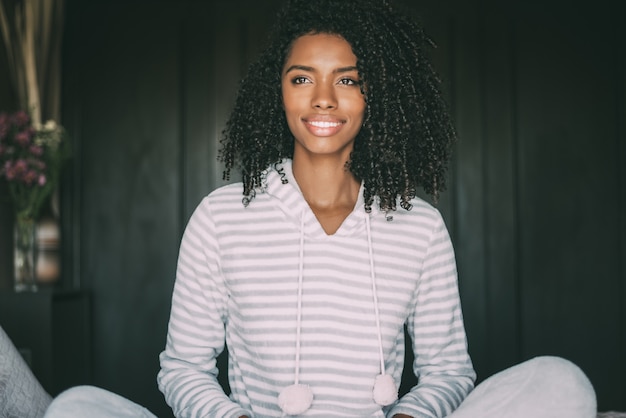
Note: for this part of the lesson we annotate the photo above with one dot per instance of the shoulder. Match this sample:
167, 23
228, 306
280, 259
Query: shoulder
228, 197
420, 222
224, 199
418, 227
227, 193
421, 213
225, 206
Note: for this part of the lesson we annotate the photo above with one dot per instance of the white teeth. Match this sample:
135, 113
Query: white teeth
324, 124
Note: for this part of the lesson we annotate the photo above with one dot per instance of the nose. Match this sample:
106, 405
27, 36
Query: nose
324, 97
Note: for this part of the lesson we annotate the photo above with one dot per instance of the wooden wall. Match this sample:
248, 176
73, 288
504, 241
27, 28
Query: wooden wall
537, 198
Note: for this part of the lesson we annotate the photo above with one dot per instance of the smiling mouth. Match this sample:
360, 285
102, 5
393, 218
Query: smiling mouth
324, 124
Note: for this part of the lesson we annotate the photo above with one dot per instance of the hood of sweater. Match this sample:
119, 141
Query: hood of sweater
282, 187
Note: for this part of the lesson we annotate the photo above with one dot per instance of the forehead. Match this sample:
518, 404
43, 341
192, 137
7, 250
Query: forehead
321, 47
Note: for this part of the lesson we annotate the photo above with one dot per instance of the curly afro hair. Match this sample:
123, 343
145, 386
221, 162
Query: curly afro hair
406, 138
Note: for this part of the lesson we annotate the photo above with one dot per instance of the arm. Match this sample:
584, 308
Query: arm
442, 365
188, 375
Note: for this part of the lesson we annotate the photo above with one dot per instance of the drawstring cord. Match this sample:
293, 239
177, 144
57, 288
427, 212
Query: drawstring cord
297, 398
385, 389
375, 293
299, 312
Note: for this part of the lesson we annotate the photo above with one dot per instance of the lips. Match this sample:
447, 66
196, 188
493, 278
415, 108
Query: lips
323, 126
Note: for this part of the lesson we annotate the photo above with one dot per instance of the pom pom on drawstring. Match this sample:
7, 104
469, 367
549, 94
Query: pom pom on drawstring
385, 390
295, 399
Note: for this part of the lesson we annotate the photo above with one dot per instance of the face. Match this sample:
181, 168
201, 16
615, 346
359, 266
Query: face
321, 96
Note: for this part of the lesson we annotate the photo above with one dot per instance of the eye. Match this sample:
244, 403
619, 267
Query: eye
299, 80
347, 81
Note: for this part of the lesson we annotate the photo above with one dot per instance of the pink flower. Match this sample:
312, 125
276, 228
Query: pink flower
24, 154
9, 171
30, 176
20, 166
35, 150
23, 138
20, 118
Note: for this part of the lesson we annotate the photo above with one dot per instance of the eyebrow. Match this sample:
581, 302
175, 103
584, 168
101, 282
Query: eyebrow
311, 69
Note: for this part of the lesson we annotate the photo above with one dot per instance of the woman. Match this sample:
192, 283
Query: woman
310, 279
309, 269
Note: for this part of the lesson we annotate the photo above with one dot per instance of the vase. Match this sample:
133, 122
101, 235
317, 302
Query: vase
25, 257
48, 257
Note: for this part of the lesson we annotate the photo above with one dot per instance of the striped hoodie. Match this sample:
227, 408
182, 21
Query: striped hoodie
239, 273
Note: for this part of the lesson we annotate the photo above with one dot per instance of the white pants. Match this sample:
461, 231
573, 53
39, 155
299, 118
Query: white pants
544, 387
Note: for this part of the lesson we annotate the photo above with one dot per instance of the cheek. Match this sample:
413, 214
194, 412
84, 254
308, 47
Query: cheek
290, 104
291, 113
284, 94
358, 109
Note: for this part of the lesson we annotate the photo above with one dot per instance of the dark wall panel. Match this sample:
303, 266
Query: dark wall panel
501, 234
469, 211
568, 202
619, 23
129, 118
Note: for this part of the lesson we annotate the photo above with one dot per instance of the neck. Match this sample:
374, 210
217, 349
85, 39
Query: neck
326, 183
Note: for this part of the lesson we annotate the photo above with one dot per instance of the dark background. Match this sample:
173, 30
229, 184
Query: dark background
536, 204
